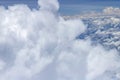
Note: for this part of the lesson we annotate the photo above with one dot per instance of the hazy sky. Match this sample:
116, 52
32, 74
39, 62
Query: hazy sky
70, 7
61, 1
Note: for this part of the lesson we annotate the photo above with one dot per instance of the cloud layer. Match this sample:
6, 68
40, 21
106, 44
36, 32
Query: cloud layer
41, 45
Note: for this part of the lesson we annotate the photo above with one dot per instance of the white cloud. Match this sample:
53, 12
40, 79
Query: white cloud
38, 43
111, 10
102, 64
49, 4
2, 64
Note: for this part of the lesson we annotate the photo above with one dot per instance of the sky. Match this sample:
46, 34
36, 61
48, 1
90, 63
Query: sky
73, 7
70, 7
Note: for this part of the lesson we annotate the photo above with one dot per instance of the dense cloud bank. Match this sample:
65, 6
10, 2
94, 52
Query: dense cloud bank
41, 45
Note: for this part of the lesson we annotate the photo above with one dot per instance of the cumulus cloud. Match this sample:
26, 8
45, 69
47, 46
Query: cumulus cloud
111, 10
41, 45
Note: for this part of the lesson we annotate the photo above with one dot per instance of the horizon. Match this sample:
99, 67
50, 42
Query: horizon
69, 7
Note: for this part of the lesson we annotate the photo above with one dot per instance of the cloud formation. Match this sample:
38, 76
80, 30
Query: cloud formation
111, 10
41, 45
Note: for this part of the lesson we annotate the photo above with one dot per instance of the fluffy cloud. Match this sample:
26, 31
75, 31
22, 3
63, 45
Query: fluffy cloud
41, 45
111, 10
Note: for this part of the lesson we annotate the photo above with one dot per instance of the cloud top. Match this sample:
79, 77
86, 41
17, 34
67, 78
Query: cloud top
49, 4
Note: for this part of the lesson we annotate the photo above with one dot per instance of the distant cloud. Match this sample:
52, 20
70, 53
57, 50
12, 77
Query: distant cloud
111, 10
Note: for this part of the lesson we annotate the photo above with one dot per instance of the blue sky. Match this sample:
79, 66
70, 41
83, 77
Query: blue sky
30, 3
84, 1
70, 7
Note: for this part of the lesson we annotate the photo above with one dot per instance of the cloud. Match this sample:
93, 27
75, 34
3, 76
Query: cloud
111, 10
49, 5
41, 45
